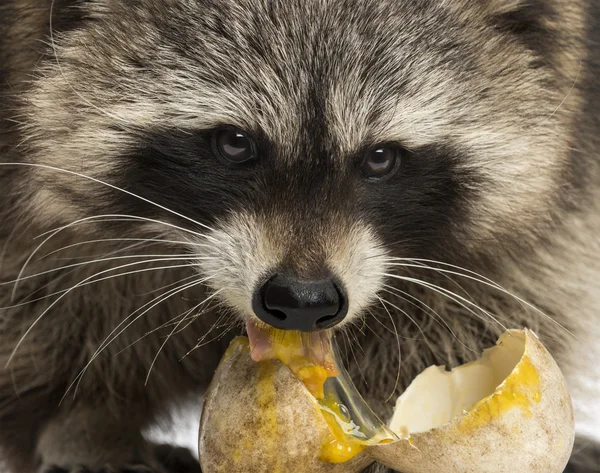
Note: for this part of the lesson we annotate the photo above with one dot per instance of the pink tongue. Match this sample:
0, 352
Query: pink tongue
260, 342
314, 346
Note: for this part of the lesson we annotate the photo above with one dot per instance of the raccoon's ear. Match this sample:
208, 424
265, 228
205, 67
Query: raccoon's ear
529, 20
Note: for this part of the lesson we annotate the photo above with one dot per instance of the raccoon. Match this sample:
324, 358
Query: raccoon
414, 176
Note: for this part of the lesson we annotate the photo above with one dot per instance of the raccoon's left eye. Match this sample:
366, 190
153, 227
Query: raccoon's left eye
381, 161
234, 146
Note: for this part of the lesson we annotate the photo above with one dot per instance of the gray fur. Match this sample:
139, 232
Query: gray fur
426, 73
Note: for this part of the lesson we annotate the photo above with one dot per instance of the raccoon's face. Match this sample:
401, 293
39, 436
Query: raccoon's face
300, 145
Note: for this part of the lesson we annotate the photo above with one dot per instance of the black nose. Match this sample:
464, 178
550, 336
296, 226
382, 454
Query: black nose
291, 304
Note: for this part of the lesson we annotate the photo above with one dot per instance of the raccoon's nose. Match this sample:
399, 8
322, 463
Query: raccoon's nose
291, 304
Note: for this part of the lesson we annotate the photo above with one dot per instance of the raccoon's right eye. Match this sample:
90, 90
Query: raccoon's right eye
234, 146
381, 161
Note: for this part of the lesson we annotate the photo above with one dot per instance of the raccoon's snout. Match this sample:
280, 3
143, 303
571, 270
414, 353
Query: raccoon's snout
288, 303
265, 266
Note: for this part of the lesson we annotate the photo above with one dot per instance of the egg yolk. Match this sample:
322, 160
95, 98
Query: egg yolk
341, 446
296, 351
345, 440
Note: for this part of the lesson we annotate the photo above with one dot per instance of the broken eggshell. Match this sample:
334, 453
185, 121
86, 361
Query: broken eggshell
525, 424
509, 411
259, 418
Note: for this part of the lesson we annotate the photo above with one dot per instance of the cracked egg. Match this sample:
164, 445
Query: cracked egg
297, 411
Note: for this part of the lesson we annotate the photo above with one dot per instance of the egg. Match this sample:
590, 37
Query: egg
508, 411
260, 418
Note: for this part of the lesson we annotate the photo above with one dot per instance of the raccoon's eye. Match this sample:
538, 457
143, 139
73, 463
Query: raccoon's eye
381, 161
234, 146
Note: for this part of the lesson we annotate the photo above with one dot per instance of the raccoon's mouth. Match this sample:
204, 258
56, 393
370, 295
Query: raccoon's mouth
308, 354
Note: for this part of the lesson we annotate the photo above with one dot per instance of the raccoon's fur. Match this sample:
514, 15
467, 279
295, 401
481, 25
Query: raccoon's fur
107, 108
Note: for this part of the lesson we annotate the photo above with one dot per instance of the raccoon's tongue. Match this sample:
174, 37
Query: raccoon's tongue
309, 355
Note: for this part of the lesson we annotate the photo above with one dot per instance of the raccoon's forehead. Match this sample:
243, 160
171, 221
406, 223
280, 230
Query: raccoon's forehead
359, 71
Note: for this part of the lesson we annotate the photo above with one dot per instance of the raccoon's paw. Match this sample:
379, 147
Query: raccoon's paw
166, 459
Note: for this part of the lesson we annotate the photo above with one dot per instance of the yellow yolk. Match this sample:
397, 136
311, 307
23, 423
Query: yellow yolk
293, 349
314, 378
520, 390
340, 446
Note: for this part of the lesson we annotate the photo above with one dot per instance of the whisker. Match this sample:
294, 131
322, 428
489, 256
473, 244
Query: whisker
183, 314
159, 257
141, 240
112, 186
148, 307
356, 339
402, 337
488, 282
124, 218
441, 273
157, 268
117, 251
147, 293
451, 295
55, 232
68, 273
28, 331
373, 316
361, 328
409, 317
196, 316
169, 336
420, 265
172, 321
441, 263
202, 343
216, 338
440, 320
353, 352
346, 341
6, 245
399, 351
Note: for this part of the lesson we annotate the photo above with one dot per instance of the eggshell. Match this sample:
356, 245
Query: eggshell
259, 418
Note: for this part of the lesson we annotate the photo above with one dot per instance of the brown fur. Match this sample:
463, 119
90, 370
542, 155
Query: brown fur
530, 131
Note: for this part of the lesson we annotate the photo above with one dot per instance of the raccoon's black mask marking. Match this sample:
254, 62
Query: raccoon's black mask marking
417, 208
